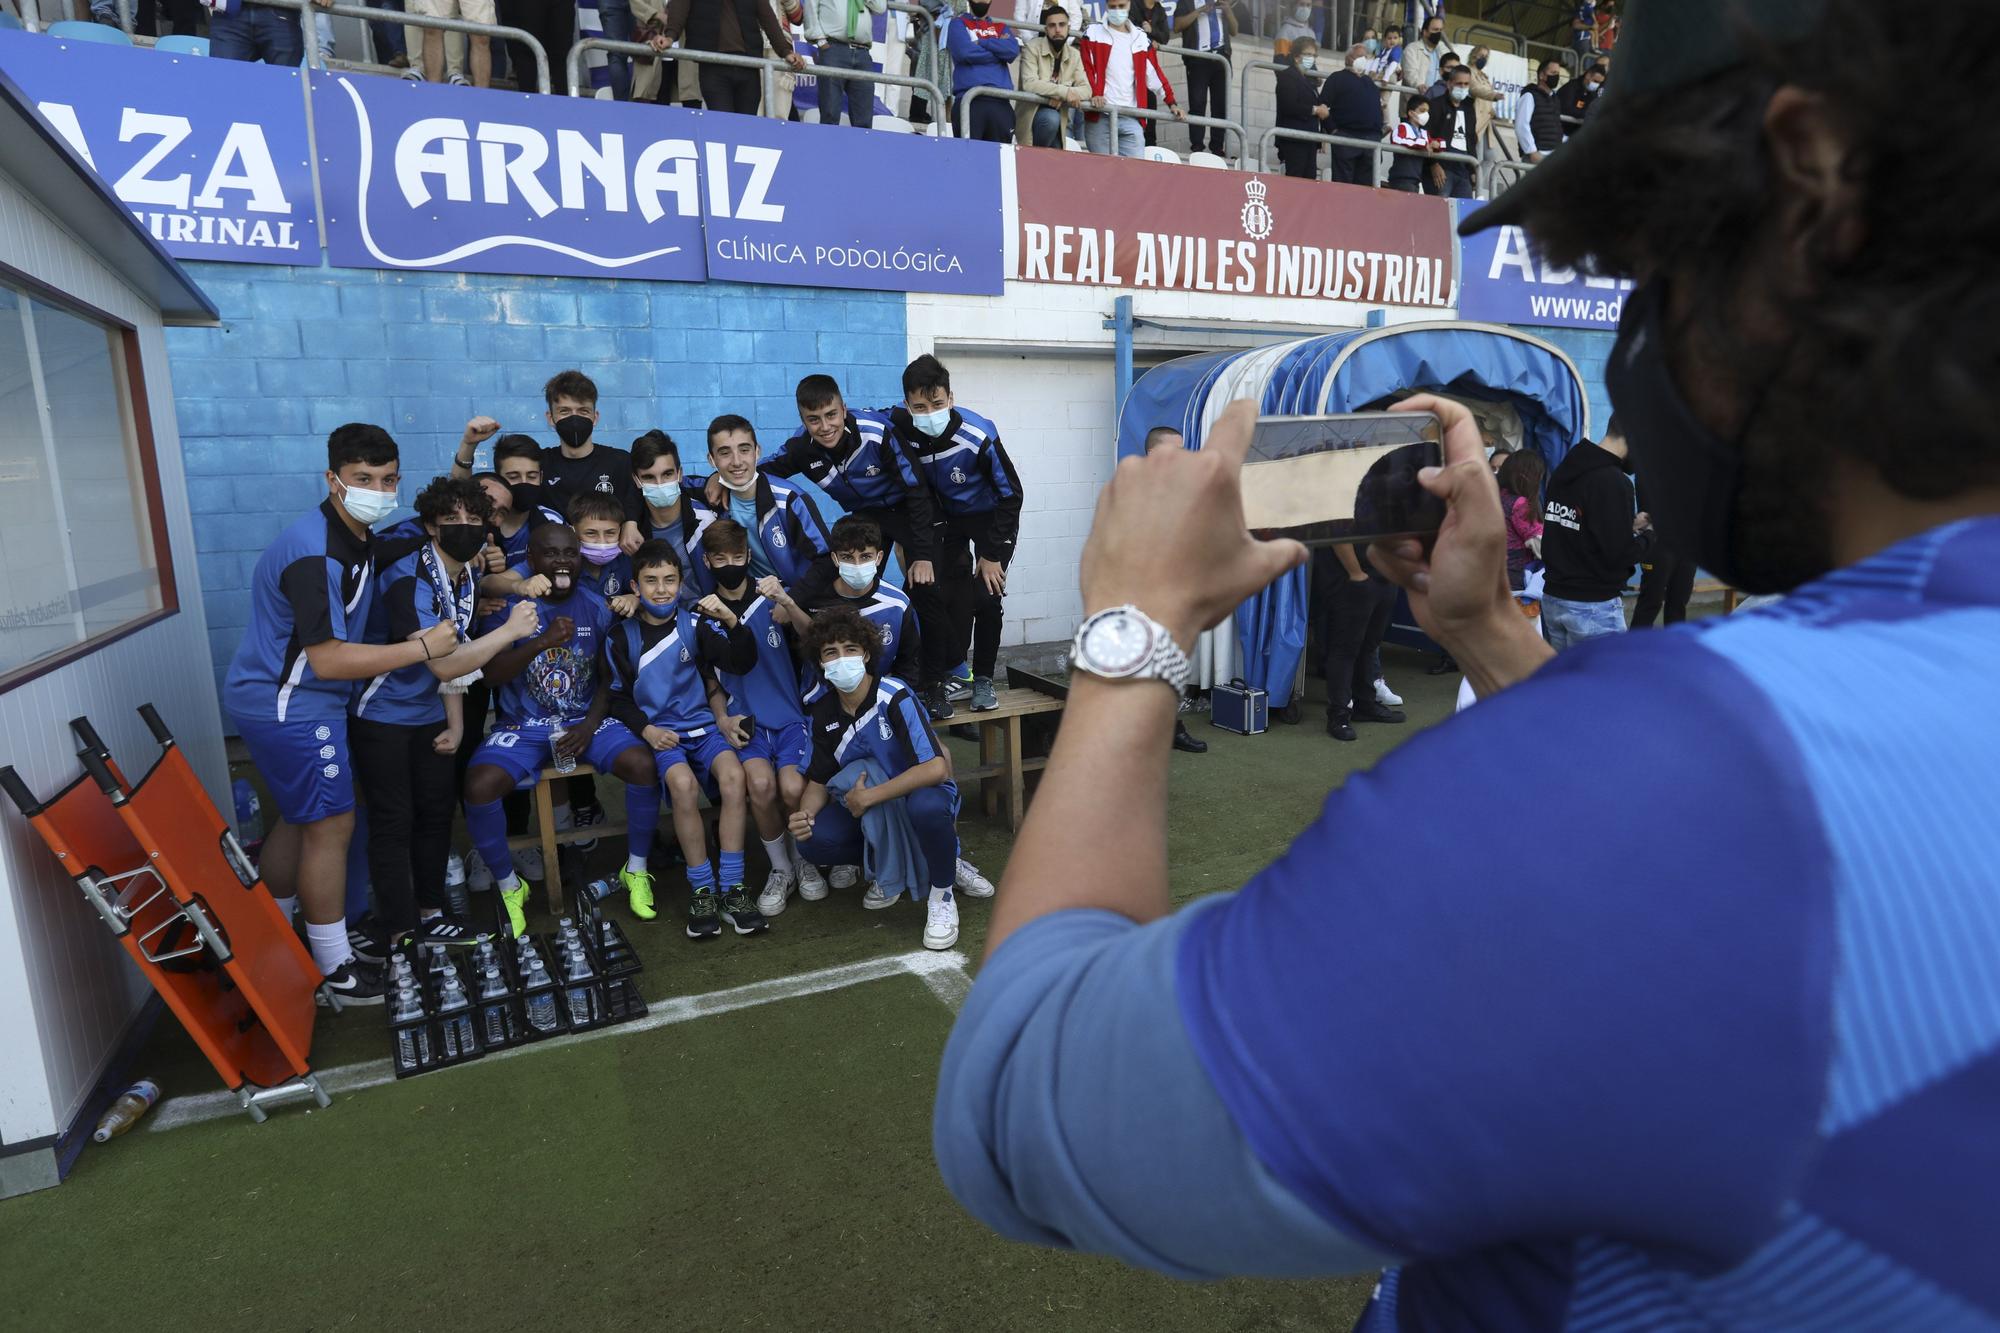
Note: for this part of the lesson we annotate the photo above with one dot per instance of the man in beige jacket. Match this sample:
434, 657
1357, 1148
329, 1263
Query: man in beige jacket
1049, 68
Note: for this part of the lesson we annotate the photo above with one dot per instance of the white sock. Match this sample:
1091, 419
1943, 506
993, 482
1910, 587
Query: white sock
945, 892
289, 906
509, 884
635, 865
329, 945
780, 854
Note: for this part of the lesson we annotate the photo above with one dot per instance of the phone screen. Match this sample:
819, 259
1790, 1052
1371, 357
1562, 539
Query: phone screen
1334, 479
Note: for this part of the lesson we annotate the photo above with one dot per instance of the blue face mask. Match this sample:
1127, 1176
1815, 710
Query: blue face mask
664, 610
367, 507
844, 673
931, 423
858, 577
1374, 46
661, 494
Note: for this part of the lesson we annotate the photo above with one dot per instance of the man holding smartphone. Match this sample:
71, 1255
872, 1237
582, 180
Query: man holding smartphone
1745, 1081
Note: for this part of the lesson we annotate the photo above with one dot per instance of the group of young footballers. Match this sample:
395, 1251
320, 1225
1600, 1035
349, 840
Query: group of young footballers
719, 641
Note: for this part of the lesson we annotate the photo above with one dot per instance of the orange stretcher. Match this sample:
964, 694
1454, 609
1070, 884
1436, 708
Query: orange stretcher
165, 872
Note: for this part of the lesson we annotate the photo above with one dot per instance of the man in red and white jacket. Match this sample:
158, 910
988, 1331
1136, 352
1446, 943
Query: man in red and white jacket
1117, 59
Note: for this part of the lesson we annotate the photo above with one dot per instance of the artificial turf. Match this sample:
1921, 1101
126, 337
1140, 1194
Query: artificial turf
767, 1168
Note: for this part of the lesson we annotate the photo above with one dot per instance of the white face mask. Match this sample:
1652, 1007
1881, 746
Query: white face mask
858, 576
844, 673
1460, 94
1422, 118
1303, 13
367, 507
1118, 18
1308, 62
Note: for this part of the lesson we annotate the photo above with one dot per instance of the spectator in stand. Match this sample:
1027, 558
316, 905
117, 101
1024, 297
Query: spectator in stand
928, 59
1583, 29
1389, 60
1298, 24
479, 49
731, 27
1206, 25
1573, 103
841, 31
1155, 19
1447, 62
1521, 474
981, 50
1119, 60
1538, 127
1455, 129
1353, 109
258, 32
1484, 95
1050, 68
550, 22
1420, 58
1591, 541
1300, 108
1413, 175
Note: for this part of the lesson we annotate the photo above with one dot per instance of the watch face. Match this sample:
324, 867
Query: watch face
1117, 644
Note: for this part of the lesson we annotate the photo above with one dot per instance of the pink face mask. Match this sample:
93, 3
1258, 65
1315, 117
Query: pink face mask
599, 555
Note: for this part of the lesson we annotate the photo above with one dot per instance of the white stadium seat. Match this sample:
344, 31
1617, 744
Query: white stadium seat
1206, 160
1155, 153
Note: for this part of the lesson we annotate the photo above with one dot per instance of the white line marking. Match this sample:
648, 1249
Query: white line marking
935, 970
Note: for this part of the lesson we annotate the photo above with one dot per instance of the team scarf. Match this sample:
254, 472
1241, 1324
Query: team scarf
459, 600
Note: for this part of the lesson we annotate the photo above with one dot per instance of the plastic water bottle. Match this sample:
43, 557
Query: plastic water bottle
132, 1103
492, 994
412, 1045
562, 765
542, 1016
452, 1006
577, 977
249, 823
598, 890
456, 899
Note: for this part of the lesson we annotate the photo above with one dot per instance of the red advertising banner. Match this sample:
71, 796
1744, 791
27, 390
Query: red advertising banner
1127, 222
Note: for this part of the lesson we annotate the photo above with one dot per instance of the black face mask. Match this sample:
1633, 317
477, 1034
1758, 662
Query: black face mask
461, 541
574, 431
1691, 476
1479, 63
1433, 38
525, 497
979, 8
730, 577
1552, 82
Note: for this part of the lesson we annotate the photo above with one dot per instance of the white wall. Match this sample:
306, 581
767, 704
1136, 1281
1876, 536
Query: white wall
67, 993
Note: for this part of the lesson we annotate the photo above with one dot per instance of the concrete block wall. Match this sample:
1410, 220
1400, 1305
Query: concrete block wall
1588, 348
302, 350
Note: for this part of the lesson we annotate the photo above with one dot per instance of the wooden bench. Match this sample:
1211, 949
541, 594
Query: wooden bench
1003, 769
1729, 595
549, 838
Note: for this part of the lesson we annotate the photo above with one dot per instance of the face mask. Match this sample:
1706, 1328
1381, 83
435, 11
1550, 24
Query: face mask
1308, 62
661, 610
1433, 38
1594, 88
1692, 476
1422, 118
598, 554
367, 507
931, 423
574, 431
1117, 18
661, 494
461, 541
1479, 63
979, 8
525, 496
844, 673
1460, 94
1303, 13
859, 576
1374, 46
1552, 82
730, 577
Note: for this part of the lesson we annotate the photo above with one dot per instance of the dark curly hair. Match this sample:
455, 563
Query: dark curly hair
1882, 353
445, 496
843, 624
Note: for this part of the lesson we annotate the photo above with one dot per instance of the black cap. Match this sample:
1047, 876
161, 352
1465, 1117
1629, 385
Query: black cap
1662, 45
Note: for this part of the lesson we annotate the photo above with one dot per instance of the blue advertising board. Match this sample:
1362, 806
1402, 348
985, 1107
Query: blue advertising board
1503, 281
210, 155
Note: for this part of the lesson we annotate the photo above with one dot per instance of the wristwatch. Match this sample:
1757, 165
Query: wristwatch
1124, 643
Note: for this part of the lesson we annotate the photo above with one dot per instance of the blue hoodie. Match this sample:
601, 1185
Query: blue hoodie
981, 50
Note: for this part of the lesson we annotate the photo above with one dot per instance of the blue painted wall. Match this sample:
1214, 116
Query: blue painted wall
1588, 348
302, 350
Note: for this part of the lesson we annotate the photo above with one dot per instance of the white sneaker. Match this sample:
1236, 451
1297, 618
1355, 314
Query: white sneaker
846, 877
1385, 696
970, 882
941, 926
875, 900
478, 877
460, 81
812, 884
528, 864
777, 888
454, 870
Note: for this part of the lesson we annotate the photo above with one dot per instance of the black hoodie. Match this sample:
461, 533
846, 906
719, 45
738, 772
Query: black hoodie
1587, 540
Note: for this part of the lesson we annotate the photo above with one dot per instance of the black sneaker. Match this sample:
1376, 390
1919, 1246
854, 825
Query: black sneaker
1338, 728
369, 942
351, 984
704, 920
937, 704
443, 930
740, 912
586, 816
1370, 711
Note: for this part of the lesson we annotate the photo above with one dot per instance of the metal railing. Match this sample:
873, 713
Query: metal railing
1140, 113
1277, 132
1243, 84
1516, 43
1566, 56
930, 24
963, 125
1488, 171
767, 65
414, 20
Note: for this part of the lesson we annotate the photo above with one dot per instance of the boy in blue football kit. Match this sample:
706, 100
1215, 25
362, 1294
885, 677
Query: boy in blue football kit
787, 536
759, 709
672, 514
598, 519
872, 738
405, 735
660, 662
288, 688
978, 495
553, 700
857, 582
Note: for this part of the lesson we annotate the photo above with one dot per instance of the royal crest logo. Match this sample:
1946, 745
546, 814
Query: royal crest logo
778, 539
958, 475
872, 471
1257, 218
772, 637
686, 656
888, 636
604, 482
883, 723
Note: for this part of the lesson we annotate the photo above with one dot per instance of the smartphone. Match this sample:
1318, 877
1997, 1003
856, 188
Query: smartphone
1331, 480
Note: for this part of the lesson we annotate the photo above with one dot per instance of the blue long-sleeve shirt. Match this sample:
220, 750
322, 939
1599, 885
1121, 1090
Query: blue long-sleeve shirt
1744, 1080
981, 50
